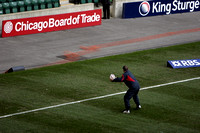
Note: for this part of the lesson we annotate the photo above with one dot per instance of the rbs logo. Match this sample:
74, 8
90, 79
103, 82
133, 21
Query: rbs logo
184, 63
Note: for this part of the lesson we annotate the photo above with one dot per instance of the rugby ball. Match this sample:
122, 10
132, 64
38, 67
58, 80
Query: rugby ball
112, 77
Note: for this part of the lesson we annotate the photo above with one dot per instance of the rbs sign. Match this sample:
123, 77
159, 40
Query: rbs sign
184, 63
161, 7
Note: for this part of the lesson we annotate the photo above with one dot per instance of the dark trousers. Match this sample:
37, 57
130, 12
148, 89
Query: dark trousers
106, 11
129, 94
77, 1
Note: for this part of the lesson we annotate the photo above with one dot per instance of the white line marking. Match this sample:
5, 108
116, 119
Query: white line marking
94, 98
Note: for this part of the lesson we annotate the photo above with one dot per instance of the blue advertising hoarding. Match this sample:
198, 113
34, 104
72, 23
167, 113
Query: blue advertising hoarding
159, 7
184, 63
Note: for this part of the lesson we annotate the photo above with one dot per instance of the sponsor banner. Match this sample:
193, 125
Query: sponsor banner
159, 7
50, 23
184, 63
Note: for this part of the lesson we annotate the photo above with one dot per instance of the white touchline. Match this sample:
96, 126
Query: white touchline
89, 99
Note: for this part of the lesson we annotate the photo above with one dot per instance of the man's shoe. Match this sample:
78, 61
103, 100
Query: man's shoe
139, 107
126, 111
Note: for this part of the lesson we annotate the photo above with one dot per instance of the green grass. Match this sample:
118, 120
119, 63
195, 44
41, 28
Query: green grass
173, 108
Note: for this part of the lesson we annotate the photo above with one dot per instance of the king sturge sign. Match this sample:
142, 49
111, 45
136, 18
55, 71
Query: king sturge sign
159, 7
42, 24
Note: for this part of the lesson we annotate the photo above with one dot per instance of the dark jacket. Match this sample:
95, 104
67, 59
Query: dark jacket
129, 80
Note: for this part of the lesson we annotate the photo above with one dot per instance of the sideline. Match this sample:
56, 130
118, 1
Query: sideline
94, 98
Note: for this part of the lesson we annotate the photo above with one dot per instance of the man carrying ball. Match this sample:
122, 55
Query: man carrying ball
133, 90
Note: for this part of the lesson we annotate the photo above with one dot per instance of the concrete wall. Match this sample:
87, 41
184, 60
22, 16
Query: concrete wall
118, 6
60, 10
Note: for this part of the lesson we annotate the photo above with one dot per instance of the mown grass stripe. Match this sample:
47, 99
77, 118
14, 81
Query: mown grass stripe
94, 98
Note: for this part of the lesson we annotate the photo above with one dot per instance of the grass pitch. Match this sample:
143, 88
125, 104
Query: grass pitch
173, 108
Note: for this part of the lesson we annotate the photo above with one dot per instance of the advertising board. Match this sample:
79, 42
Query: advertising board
184, 63
50, 23
159, 7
